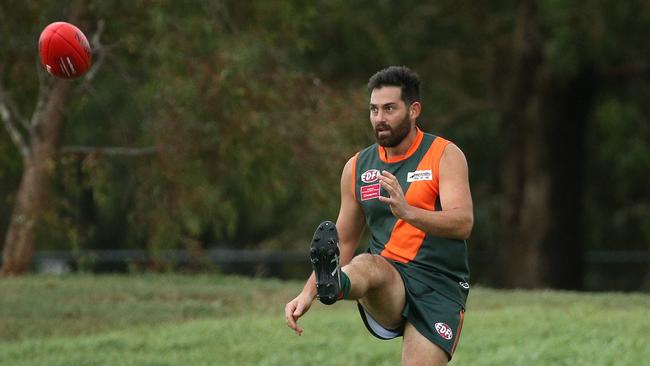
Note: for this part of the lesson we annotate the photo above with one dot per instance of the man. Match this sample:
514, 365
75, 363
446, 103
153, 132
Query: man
412, 191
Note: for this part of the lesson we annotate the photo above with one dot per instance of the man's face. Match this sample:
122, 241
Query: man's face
389, 116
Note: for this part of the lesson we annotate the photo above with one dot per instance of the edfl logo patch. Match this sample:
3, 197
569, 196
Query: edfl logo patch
369, 176
444, 331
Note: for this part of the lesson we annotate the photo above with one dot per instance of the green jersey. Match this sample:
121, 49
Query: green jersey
426, 261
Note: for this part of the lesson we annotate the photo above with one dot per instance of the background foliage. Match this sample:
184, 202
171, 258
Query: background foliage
257, 105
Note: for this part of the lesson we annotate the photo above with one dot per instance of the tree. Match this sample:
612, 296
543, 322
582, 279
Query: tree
38, 148
209, 93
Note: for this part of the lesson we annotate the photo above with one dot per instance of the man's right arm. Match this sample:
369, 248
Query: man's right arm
349, 225
351, 219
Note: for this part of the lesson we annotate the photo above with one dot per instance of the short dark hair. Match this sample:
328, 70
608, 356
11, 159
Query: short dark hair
401, 76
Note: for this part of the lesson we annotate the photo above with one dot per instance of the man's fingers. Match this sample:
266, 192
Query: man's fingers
388, 174
292, 313
298, 312
391, 189
388, 180
288, 314
298, 330
385, 182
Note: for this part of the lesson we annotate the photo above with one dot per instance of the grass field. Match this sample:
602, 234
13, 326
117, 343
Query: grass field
219, 320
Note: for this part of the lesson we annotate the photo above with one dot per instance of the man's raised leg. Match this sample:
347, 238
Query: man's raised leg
378, 287
368, 278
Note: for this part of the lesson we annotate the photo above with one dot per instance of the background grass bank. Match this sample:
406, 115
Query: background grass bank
219, 320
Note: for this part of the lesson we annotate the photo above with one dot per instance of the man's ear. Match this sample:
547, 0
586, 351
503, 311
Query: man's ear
414, 110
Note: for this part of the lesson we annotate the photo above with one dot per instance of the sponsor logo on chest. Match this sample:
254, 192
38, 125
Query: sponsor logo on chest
371, 191
419, 175
370, 176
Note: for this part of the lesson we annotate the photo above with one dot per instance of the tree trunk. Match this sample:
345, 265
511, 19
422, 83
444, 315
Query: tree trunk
544, 117
567, 104
32, 196
524, 174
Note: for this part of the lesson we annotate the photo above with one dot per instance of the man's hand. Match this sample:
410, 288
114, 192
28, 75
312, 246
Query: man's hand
295, 309
398, 205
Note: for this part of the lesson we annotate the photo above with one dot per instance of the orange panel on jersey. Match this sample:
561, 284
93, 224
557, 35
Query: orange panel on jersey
405, 240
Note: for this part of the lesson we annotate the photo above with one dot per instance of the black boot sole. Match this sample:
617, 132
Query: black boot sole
324, 254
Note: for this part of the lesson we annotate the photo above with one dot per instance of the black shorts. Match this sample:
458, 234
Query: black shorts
434, 315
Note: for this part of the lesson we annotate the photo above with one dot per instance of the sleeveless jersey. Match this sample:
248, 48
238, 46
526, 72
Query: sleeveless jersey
434, 262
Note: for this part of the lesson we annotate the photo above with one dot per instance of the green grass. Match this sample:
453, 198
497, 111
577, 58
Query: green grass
219, 320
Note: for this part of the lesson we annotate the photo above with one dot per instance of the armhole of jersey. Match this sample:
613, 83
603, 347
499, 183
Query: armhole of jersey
439, 145
354, 175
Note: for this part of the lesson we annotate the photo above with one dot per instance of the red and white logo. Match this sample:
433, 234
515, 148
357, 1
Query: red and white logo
370, 176
370, 192
444, 331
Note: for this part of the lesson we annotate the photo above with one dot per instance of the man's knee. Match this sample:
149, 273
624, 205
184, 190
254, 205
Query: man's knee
362, 264
373, 268
371, 274
368, 260
362, 259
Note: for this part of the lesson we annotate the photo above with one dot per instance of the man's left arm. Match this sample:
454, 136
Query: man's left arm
456, 218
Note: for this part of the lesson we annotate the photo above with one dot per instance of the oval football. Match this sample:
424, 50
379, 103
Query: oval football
64, 50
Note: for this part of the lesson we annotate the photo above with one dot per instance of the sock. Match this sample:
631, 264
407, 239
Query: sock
345, 285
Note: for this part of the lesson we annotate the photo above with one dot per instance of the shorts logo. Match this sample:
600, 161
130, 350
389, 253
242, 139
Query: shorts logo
444, 331
370, 176
464, 285
419, 175
370, 192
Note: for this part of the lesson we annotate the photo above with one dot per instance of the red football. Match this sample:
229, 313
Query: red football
64, 50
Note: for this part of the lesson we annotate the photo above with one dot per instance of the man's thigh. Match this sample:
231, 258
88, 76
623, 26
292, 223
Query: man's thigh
386, 301
418, 350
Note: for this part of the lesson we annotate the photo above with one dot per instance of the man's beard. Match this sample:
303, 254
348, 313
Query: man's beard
397, 135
